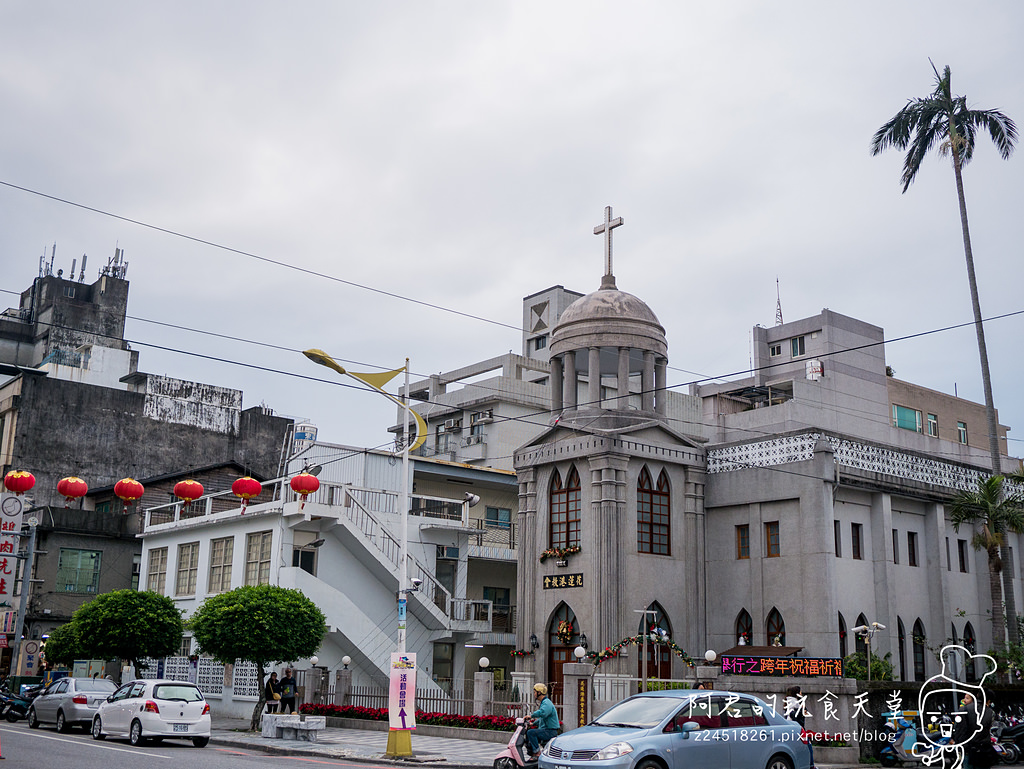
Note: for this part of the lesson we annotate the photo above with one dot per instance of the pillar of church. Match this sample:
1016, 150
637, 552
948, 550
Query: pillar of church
648, 381
695, 634
526, 576
594, 378
556, 385
623, 378
608, 474
569, 378
660, 377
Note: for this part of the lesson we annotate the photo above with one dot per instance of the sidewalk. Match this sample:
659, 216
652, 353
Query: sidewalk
369, 746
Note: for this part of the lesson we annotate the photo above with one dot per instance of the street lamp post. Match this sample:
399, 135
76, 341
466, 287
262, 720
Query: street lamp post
867, 632
399, 740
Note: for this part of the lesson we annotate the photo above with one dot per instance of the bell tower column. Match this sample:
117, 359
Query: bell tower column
594, 378
623, 379
648, 381
569, 380
556, 385
660, 377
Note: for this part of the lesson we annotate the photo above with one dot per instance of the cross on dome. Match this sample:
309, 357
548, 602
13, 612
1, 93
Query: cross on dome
605, 228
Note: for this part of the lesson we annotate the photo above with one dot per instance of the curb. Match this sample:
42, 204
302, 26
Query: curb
357, 758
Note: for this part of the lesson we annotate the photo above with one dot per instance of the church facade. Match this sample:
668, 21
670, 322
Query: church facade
809, 499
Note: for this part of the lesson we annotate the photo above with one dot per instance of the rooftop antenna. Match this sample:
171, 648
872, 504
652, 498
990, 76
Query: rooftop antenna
778, 303
53, 255
71, 275
81, 275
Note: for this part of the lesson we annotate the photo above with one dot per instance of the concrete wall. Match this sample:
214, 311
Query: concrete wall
102, 435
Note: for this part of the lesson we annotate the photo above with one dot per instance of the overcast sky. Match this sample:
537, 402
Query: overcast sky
461, 153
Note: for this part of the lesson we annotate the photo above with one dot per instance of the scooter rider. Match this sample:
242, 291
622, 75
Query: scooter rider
547, 722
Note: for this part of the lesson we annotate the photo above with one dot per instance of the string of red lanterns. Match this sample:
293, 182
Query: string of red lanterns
19, 481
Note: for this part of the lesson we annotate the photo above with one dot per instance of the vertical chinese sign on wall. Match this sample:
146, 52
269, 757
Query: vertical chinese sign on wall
11, 509
402, 692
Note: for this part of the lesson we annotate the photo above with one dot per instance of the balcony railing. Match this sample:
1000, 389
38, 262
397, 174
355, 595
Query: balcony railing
491, 534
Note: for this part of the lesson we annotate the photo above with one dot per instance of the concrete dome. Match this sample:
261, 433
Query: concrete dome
608, 318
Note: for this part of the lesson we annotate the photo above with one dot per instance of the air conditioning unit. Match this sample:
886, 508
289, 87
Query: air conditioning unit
472, 440
453, 424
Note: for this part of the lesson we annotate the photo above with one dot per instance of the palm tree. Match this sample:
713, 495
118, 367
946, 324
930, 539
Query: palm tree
945, 119
994, 510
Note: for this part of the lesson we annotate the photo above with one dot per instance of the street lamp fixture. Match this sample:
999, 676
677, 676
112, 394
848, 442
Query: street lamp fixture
534, 643
583, 641
867, 632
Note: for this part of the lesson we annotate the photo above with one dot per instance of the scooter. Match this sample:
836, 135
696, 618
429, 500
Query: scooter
12, 706
901, 748
514, 755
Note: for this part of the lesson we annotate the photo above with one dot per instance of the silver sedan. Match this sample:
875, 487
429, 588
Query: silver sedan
69, 702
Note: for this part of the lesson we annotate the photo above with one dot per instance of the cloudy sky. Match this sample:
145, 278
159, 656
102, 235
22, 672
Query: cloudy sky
460, 154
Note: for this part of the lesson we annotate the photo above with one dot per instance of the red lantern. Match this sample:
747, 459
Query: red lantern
245, 489
19, 481
128, 490
188, 492
72, 488
304, 484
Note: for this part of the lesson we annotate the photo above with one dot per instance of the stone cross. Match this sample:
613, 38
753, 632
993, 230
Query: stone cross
606, 228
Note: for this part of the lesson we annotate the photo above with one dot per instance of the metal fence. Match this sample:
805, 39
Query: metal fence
459, 701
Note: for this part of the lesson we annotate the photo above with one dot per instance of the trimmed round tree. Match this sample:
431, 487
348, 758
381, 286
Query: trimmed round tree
62, 647
129, 625
262, 624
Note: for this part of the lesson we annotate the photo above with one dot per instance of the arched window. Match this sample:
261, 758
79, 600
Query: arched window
902, 639
744, 628
565, 510
860, 647
969, 643
659, 655
919, 640
652, 515
562, 639
776, 628
842, 635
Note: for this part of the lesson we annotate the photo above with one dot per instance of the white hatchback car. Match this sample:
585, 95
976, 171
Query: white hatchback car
154, 709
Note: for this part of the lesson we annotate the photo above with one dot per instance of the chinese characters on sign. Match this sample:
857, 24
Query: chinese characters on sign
783, 666
11, 508
402, 692
563, 580
581, 702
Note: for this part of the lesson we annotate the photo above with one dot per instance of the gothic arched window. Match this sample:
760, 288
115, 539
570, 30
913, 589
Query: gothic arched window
744, 628
919, 640
776, 628
842, 635
565, 510
653, 533
970, 673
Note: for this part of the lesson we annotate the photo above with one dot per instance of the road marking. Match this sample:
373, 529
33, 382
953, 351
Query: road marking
93, 743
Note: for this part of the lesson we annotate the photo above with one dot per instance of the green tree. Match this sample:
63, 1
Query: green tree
62, 647
259, 623
129, 625
943, 119
993, 510
855, 666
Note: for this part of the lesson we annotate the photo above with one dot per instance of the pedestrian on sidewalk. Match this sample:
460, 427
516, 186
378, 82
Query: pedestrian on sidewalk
287, 692
272, 692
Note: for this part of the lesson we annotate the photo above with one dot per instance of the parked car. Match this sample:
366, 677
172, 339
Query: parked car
682, 728
69, 702
155, 709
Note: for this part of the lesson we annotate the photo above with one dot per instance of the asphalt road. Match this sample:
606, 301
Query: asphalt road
45, 749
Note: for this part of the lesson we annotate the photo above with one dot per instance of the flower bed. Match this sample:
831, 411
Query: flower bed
492, 723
